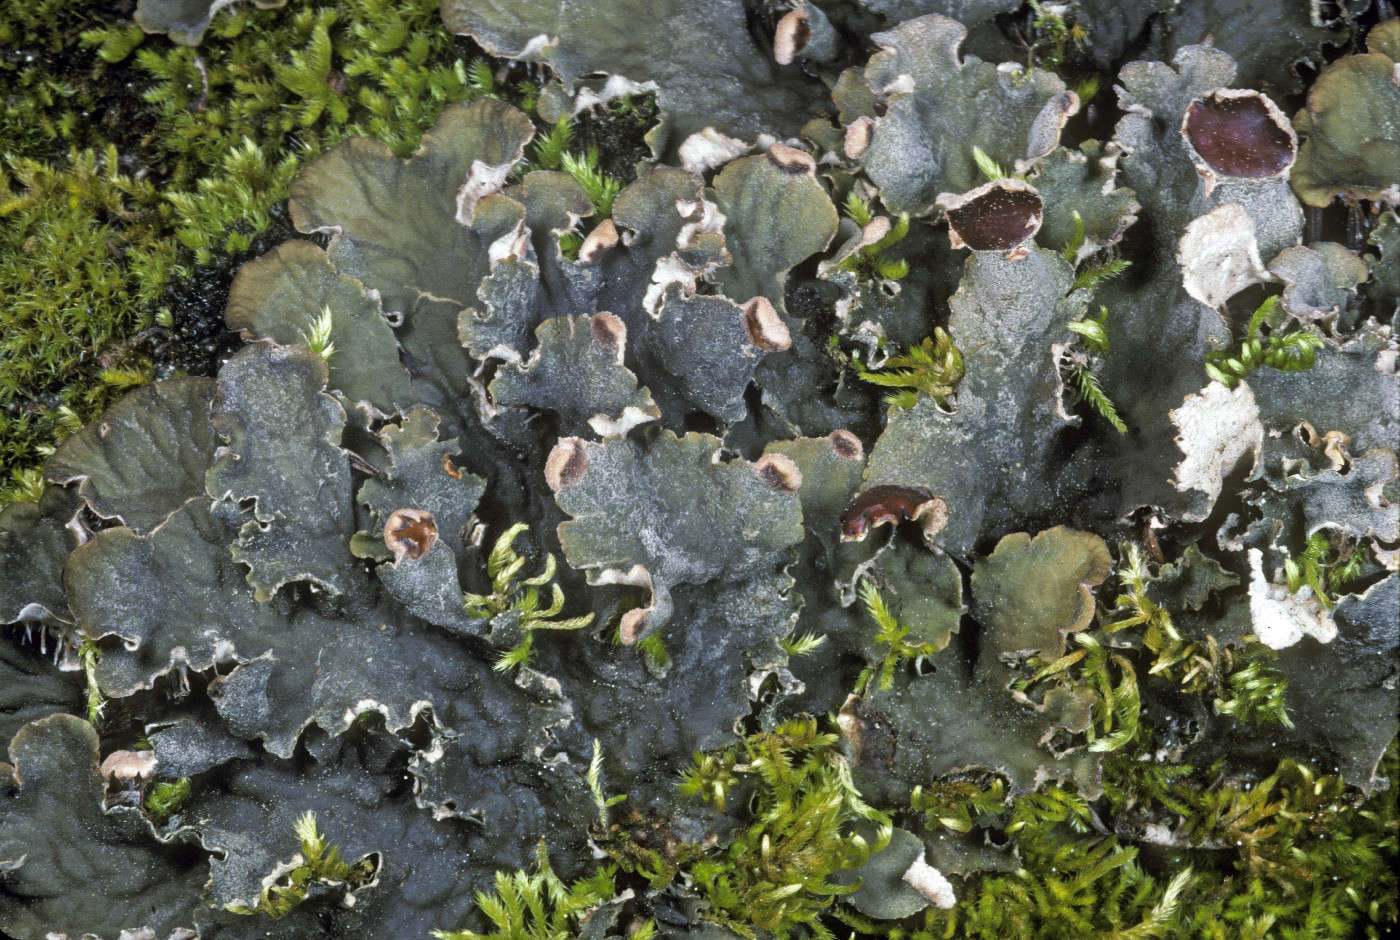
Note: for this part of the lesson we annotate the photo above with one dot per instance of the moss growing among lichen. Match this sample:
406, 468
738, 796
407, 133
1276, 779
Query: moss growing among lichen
83, 260
318, 864
89, 243
1296, 854
187, 165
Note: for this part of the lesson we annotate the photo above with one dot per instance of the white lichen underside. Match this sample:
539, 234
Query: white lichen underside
1281, 618
1219, 255
931, 883
1217, 427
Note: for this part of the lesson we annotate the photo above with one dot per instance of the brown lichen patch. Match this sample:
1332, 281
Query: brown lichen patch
129, 766
791, 37
450, 468
779, 472
998, 216
875, 230
846, 445
630, 627
598, 241
410, 533
1241, 134
633, 622
610, 333
791, 160
1307, 434
870, 735
1337, 447
764, 327
892, 504
859, 134
566, 464
871, 234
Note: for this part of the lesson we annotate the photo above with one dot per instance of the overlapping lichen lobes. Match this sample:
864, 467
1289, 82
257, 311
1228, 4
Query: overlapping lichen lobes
668, 513
297, 279
1027, 595
708, 68
184, 20
1351, 126
395, 223
1029, 610
938, 107
57, 843
145, 457
606, 401
146, 590
282, 456
1007, 314
34, 541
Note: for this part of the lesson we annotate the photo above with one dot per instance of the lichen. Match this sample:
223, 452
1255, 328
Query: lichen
554, 506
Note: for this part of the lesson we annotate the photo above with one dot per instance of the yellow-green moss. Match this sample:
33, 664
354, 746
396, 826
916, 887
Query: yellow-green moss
130, 160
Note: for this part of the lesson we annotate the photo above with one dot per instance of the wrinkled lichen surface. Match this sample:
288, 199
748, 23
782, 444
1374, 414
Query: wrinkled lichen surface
1138, 503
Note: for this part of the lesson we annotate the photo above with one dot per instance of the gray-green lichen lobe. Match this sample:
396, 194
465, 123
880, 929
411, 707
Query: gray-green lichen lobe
298, 579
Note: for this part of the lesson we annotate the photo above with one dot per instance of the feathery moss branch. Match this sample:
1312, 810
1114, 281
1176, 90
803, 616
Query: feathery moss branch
1325, 568
317, 337
933, 368
1255, 694
548, 152
601, 188
775, 875
319, 862
166, 797
1292, 351
540, 906
1086, 386
890, 633
89, 654
595, 786
521, 596
869, 262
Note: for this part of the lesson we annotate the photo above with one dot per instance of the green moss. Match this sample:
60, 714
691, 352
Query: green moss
933, 368
890, 633
540, 906
1080, 368
89, 245
82, 262
58, 94
869, 263
1296, 854
513, 594
88, 655
1325, 567
166, 797
557, 149
1288, 351
269, 90
776, 874
1254, 692
319, 862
